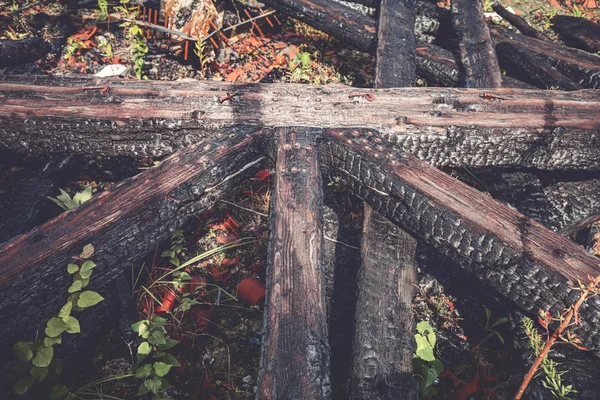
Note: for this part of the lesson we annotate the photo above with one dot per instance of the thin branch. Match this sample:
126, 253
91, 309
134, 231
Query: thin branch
244, 208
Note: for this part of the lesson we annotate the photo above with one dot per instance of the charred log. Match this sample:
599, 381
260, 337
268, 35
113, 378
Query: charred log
578, 32
294, 360
476, 49
15, 52
527, 263
383, 339
540, 129
124, 224
581, 67
519, 23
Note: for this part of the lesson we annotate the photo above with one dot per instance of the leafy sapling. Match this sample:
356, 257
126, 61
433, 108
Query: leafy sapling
426, 367
65, 201
37, 358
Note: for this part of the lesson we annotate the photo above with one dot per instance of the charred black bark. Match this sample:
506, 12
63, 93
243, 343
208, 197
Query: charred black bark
577, 32
15, 52
519, 23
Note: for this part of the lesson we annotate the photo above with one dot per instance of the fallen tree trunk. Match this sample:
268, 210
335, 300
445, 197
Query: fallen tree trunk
577, 32
519, 23
476, 49
458, 127
294, 362
530, 265
15, 52
383, 344
124, 224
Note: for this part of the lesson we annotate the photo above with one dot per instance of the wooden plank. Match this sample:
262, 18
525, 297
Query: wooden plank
454, 127
294, 361
124, 224
510, 253
383, 343
476, 48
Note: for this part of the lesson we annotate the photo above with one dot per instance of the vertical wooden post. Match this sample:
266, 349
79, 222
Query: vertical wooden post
294, 360
384, 339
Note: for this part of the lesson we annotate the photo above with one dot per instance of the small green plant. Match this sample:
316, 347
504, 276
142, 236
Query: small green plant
300, 68
177, 247
426, 367
153, 362
103, 7
552, 377
199, 50
491, 326
65, 201
40, 354
105, 46
577, 12
138, 47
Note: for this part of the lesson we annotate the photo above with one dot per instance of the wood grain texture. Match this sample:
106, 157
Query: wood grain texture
124, 224
444, 126
294, 361
515, 255
383, 344
477, 52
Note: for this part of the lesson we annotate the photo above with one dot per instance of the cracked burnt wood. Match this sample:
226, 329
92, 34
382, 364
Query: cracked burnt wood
444, 126
507, 251
433, 62
26, 206
124, 224
477, 53
15, 52
383, 344
294, 362
579, 66
577, 32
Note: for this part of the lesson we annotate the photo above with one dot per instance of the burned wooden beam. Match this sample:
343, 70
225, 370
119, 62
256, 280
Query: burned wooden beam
577, 32
581, 67
383, 344
457, 127
15, 52
530, 265
477, 52
519, 23
294, 361
124, 224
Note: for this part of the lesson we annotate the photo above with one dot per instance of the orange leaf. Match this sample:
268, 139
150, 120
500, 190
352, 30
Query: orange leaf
554, 3
293, 52
232, 76
279, 45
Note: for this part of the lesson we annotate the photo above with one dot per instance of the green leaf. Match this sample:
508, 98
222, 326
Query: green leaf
161, 368
158, 321
488, 315
168, 344
500, 338
85, 282
424, 350
144, 371
423, 328
499, 321
56, 366
43, 356
142, 390
142, 328
157, 337
168, 358
175, 261
51, 341
88, 265
58, 391
23, 385
55, 327
89, 299
39, 373
143, 351
65, 311
85, 274
88, 251
75, 287
72, 268
23, 350
82, 197
153, 384
73, 324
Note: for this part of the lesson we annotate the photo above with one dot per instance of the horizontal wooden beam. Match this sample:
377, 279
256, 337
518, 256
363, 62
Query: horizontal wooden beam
509, 252
457, 127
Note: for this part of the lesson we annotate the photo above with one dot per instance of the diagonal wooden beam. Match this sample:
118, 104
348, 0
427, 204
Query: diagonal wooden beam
294, 361
124, 224
458, 127
509, 252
